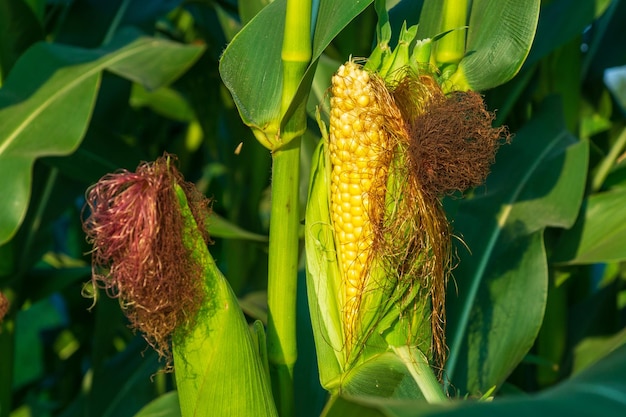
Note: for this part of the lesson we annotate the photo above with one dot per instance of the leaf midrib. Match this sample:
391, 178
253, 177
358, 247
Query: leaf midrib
482, 265
54, 97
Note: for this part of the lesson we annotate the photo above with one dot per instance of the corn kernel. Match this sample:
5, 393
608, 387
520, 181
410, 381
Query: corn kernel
355, 141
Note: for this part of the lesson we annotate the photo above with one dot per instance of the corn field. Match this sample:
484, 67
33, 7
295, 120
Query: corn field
302, 208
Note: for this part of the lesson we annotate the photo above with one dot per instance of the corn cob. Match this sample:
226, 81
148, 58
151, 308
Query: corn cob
357, 141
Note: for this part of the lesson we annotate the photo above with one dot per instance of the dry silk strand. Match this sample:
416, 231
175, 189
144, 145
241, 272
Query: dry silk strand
357, 143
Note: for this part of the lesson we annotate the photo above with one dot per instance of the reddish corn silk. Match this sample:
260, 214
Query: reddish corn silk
136, 227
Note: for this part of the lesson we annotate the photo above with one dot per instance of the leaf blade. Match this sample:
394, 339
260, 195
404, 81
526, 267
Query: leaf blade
51, 81
537, 182
498, 41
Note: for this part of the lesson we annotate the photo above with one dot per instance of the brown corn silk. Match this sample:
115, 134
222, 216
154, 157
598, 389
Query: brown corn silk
395, 148
4, 306
136, 228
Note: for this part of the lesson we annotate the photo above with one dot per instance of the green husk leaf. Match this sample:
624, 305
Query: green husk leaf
218, 360
322, 274
381, 375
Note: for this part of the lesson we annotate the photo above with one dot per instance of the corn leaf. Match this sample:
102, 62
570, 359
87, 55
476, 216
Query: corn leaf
49, 83
220, 227
537, 182
599, 235
19, 29
498, 41
499, 37
601, 387
251, 65
561, 21
165, 406
218, 368
593, 349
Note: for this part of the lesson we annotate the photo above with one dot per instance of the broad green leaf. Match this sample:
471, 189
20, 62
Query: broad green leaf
599, 235
250, 8
218, 368
597, 390
498, 40
164, 101
116, 385
343, 407
52, 82
251, 65
19, 29
431, 18
165, 406
150, 62
496, 303
592, 349
121, 389
559, 22
220, 227
30, 325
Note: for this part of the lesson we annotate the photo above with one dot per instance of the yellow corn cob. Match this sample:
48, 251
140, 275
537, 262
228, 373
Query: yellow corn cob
357, 139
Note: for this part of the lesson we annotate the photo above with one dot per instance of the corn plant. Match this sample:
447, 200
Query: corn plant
381, 227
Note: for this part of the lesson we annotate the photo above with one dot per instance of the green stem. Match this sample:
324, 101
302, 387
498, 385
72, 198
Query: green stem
283, 270
115, 23
451, 47
296, 56
285, 216
609, 161
420, 370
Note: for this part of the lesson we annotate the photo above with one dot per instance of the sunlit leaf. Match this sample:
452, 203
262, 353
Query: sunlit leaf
323, 278
599, 235
498, 40
164, 406
593, 349
218, 367
383, 375
46, 104
220, 227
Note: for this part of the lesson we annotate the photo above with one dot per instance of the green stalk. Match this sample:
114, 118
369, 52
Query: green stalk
283, 271
285, 216
115, 23
451, 47
609, 161
422, 373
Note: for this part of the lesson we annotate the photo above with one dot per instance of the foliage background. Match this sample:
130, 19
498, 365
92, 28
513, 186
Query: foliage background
566, 108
